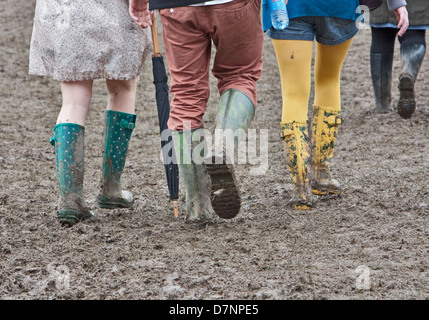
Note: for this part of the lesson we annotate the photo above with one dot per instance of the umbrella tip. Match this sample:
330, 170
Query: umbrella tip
176, 209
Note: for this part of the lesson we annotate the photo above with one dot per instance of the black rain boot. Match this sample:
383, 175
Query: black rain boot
381, 74
412, 57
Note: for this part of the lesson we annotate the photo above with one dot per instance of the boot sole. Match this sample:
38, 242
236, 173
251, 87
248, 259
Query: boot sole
406, 102
333, 189
384, 110
301, 205
71, 218
113, 204
324, 192
225, 196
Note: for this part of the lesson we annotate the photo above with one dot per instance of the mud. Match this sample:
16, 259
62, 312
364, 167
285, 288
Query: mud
372, 243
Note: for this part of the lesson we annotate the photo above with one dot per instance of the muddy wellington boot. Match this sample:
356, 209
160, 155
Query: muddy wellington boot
117, 133
295, 140
412, 57
68, 140
324, 135
192, 173
234, 114
381, 74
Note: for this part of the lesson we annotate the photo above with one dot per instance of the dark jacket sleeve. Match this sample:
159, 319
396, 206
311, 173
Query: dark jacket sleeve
417, 13
395, 4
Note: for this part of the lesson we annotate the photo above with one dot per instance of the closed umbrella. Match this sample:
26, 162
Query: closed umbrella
163, 105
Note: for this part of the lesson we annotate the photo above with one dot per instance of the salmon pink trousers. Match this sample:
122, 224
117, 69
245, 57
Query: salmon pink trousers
235, 30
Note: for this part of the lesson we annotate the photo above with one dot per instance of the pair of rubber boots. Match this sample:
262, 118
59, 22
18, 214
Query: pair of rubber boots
208, 174
68, 139
381, 73
316, 154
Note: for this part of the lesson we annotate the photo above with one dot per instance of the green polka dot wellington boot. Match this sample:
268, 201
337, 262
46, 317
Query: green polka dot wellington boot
117, 133
68, 140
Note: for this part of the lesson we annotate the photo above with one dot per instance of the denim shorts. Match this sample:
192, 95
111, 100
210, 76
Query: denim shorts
327, 30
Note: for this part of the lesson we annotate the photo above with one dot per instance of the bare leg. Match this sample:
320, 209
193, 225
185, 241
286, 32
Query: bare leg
122, 95
77, 97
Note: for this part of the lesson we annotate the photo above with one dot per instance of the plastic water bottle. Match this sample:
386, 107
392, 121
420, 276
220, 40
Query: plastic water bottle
279, 15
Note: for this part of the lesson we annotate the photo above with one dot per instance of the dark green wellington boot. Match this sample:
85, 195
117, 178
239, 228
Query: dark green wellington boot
235, 113
381, 74
68, 140
117, 133
190, 149
412, 57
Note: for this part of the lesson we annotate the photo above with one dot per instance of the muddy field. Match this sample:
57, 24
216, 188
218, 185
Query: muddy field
372, 243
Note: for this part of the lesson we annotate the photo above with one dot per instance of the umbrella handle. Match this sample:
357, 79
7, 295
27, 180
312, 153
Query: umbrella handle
155, 40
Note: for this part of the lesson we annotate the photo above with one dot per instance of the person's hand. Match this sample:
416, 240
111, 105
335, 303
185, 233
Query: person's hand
402, 16
139, 11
